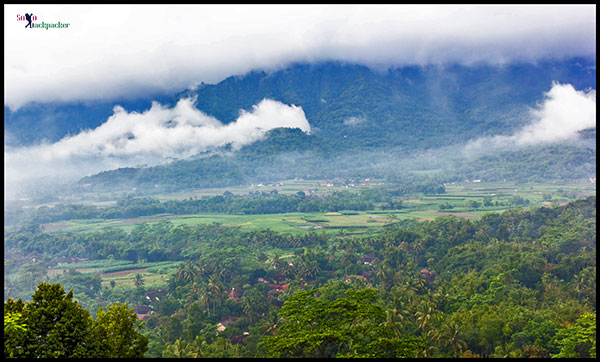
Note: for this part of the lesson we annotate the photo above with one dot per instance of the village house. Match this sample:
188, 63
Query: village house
276, 288
233, 295
427, 274
367, 259
225, 321
153, 295
350, 277
143, 312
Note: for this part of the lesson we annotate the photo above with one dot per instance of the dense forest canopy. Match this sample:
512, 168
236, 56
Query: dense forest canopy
511, 284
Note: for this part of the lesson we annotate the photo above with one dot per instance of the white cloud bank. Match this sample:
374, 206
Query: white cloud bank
112, 51
131, 138
563, 113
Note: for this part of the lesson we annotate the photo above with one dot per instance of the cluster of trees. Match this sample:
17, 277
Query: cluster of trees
228, 203
53, 325
540, 163
264, 162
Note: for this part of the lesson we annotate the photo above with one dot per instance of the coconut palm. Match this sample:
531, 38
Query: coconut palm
393, 320
449, 335
139, 281
216, 291
204, 297
186, 272
274, 261
424, 313
179, 349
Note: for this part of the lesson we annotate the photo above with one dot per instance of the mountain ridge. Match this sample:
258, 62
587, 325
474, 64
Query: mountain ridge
412, 102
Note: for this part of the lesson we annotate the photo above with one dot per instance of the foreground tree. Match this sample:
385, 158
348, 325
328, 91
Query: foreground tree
117, 331
14, 329
53, 325
57, 326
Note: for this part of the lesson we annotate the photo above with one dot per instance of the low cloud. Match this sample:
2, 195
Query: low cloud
355, 121
563, 113
114, 51
131, 138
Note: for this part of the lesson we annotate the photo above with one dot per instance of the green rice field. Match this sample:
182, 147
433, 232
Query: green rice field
458, 198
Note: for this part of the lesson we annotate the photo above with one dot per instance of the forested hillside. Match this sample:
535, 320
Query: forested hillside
416, 107
517, 284
289, 153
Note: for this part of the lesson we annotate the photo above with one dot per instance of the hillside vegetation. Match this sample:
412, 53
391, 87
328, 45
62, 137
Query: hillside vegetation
517, 284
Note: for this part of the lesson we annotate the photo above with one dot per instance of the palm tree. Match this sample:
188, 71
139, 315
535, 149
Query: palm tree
393, 320
416, 247
449, 335
382, 275
275, 261
347, 259
268, 323
186, 272
424, 314
139, 281
216, 291
204, 298
179, 349
313, 269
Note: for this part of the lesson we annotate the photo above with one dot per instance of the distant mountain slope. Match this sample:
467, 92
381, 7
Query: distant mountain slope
288, 153
410, 106
282, 153
363, 122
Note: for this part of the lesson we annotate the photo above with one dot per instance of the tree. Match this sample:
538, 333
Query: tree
14, 330
179, 349
274, 261
57, 326
393, 320
579, 340
424, 314
449, 335
215, 291
351, 326
117, 329
53, 325
139, 281
187, 272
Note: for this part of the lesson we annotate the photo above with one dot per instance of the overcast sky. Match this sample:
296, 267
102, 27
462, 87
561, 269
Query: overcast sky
112, 51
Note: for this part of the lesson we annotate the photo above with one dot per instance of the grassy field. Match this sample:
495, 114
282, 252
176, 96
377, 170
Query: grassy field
464, 200
122, 272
